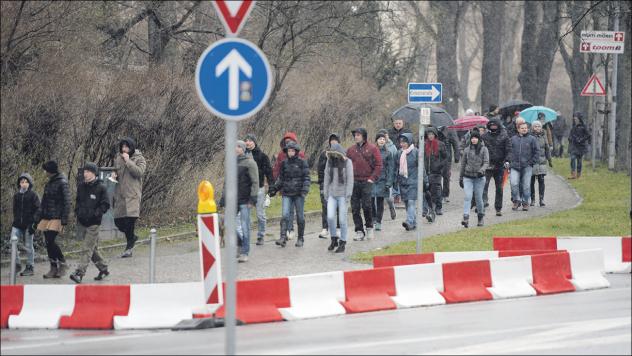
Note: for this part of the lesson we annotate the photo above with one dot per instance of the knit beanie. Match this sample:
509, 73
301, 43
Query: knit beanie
251, 137
51, 167
92, 167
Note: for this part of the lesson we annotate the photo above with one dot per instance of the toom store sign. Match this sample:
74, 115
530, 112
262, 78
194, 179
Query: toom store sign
602, 42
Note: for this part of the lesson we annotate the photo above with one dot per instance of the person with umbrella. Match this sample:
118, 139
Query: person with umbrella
539, 168
499, 146
524, 154
578, 144
435, 159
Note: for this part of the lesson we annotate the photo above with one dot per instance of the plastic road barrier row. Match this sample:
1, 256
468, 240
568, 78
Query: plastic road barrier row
617, 250
305, 296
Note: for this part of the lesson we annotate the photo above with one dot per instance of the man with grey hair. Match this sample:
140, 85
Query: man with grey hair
247, 192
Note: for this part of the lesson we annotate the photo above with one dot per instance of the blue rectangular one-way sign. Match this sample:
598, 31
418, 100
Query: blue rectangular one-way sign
424, 93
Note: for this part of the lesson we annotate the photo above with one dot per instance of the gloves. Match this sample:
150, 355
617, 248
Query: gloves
461, 182
550, 163
456, 160
479, 175
32, 228
272, 191
506, 165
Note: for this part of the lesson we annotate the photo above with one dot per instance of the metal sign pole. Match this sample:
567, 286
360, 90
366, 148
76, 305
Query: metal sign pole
420, 180
613, 112
230, 215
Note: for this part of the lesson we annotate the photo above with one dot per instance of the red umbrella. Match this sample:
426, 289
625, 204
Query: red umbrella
468, 122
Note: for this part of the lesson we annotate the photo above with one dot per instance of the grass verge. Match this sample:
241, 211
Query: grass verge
603, 212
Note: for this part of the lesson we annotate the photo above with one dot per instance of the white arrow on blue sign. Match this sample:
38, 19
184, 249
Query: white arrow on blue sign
233, 79
424, 93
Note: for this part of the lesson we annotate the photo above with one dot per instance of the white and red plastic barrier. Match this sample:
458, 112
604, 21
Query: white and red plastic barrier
312, 295
617, 250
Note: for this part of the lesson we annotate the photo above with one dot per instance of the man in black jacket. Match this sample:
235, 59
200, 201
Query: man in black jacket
25, 205
265, 174
92, 203
435, 160
451, 141
499, 146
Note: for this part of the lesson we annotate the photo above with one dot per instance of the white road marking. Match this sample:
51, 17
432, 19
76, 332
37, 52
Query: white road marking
83, 341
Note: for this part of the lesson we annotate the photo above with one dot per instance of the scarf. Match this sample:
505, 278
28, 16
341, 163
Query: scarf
432, 147
403, 162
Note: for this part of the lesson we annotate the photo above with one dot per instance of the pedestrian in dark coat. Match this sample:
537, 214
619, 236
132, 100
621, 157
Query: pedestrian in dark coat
560, 128
539, 168
367, 167
25, 205
407, 178
451, 141
524, 155
394, 191
578, 141
498, 145
293, 183
435, 160
276, 170
322, 163
338, 188
92, 202
382, 187
397, 129
53, 217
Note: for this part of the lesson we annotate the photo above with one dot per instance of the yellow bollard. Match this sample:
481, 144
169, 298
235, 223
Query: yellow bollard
206, 198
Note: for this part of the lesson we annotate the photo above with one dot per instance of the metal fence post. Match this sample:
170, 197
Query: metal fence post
14, 257
152, 255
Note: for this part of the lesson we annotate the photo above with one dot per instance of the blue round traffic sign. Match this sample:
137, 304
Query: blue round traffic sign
233, 79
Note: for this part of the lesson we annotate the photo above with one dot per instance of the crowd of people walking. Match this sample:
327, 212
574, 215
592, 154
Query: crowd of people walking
364, 176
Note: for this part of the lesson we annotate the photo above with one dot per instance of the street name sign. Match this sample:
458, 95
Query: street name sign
425, 93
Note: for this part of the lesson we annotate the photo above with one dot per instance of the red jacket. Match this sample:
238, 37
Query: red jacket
367, 162
281, 156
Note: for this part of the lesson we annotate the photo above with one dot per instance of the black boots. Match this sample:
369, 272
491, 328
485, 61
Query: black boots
102, 274
341, 246
283, 239
62, 267
299, 242
480, 219
334, 243
466, 221
301, 234
76, 276
542, 201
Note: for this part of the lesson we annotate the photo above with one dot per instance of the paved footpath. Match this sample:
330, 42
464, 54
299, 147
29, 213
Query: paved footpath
179, 260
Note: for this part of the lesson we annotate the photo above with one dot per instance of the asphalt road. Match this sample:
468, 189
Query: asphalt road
590, 322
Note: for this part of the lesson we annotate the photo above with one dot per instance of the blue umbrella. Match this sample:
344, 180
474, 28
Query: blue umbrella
531, 114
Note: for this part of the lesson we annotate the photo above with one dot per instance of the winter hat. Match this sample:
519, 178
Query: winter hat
333, 136
492, 108
475, 133
51, 167
251, 137
241, 144
92, 167
578, 115
378, 135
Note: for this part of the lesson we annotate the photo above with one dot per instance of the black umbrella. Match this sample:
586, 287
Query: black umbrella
410, 114
513, 105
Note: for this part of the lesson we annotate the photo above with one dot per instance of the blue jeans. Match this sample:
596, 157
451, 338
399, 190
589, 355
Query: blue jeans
244, 223
473, 186
261, 213
411, 212
28, 243
521, 178
337, 205
576, 162
290, 205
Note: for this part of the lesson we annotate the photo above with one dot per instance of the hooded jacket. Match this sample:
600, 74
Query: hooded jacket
393, 134
282, 156
294, 177
579, 137
388, 173
475, 160
25, 205
451, 140
366, 159
498, 144
128, 191
247, 181
91, 202
435, 163
332, 185
56, 200
263, 165
544, 153
322, 160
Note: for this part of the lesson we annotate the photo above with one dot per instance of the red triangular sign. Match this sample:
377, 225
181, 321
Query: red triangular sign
593, 87
233, 14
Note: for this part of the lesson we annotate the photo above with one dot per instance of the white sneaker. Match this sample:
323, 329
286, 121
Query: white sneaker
324, 234
369, 233
243, 258
290, 235
359, 236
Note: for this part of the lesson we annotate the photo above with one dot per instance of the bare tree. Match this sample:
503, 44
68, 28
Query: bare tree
469, 38
539, 45
492, 35
509, 87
